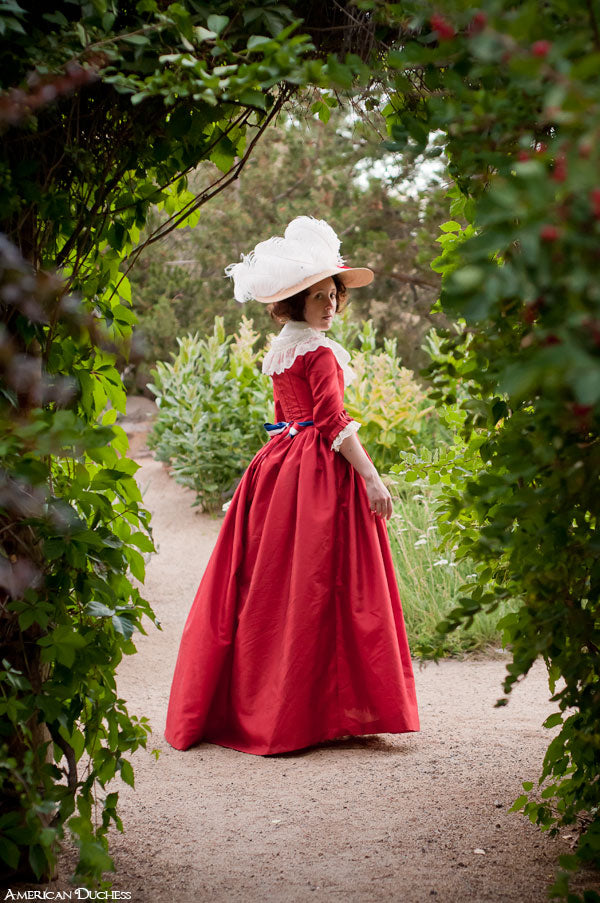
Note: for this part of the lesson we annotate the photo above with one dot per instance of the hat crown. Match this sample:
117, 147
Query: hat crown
309, 246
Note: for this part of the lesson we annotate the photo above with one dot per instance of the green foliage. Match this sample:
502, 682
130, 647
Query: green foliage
73, 534
515, 90
165, 92
385, 397
430, 577
213, 402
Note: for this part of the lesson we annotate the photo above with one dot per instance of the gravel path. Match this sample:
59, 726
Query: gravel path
383, 818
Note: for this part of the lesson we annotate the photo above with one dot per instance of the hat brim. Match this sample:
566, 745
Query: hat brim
352, 277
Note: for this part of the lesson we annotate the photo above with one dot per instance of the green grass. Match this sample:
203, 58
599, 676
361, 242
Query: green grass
429, 580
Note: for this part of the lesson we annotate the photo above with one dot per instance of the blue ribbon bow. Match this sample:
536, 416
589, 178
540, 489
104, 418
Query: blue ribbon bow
293, 427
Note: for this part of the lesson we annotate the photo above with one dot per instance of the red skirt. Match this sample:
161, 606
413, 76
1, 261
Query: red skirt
296, 633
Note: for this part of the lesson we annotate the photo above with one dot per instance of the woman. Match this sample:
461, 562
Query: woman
296, 634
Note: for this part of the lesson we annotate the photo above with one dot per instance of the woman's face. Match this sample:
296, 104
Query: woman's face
320, 304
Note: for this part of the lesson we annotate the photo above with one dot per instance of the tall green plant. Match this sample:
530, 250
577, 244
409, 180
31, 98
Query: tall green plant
431, 579
384, 397
213, 402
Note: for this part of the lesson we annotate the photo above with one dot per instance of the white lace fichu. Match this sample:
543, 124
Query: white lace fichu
298, 338
349, 430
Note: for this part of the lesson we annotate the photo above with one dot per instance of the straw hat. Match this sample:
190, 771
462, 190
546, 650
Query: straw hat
281, 267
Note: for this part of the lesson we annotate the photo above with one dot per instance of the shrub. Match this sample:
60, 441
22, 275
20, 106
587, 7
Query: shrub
385, 397
213, 401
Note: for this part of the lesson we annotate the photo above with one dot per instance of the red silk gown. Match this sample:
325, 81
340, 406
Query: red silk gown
296, 633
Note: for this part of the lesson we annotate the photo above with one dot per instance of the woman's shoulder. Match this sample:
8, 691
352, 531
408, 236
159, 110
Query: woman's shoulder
299, 340
323, 355
294, 341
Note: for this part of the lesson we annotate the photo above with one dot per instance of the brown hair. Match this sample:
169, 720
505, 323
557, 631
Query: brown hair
293, 308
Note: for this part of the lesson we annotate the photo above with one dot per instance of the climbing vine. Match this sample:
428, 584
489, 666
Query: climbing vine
105, 109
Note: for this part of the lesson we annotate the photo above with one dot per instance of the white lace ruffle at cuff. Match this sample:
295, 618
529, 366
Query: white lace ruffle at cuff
349, 429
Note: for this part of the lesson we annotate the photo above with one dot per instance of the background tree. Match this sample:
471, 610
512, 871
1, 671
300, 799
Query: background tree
340, 171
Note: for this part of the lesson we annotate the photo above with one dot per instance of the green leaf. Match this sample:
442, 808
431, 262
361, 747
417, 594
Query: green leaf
138, 39
518, 803
223, 154
126, 772
204, 34
217, 23
553, 720
337, 73
123, 625
256, 41
98, 610
38, 860
9, 852
253, 98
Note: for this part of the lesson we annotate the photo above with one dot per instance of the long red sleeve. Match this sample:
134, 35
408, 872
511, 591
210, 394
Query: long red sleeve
325, 378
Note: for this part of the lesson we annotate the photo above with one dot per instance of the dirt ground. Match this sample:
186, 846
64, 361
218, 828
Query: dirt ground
382, 818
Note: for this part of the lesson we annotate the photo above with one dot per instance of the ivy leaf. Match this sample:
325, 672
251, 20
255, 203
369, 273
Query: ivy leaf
126, 772
217, 23
123, 625
553, 720
99, 609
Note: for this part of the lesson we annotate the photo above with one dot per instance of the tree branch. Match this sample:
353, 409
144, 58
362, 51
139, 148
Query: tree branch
405, 278
214, 189
594, 23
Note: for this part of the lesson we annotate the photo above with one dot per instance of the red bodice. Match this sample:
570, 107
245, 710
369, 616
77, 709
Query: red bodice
312, 389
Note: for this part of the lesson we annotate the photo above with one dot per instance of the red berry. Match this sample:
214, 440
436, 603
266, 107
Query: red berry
541, 48
541, 148
595, 202
445, 30
477, 23
552, 340
523, 155
549, 232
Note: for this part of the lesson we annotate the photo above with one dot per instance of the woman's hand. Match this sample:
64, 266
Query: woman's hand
380, 499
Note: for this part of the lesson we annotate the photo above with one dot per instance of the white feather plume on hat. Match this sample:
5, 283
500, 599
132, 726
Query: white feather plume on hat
279, 267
